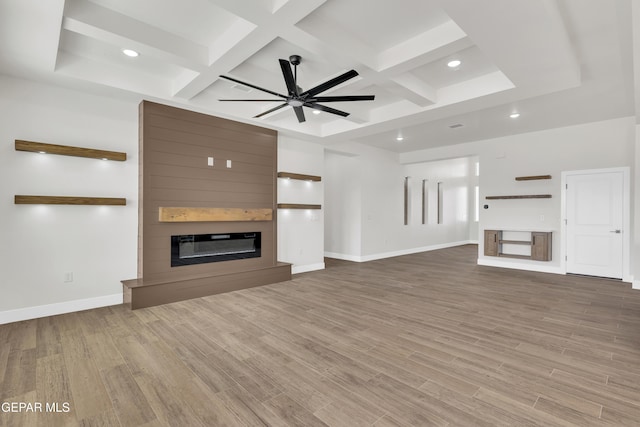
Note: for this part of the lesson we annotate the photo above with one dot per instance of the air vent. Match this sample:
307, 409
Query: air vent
242, 88
457, 125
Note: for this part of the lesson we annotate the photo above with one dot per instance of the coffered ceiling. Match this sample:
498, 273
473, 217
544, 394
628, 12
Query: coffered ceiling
555, 62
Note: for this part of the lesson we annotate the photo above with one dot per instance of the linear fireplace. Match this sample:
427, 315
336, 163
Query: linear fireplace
191, 249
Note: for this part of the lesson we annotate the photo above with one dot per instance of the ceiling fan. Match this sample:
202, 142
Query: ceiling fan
297, 98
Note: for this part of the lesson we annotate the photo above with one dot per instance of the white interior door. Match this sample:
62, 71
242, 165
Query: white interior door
594, 224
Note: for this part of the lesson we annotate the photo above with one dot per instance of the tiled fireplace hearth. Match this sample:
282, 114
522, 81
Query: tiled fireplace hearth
222, 234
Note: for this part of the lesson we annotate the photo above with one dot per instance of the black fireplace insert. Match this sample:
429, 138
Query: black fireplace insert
191, 249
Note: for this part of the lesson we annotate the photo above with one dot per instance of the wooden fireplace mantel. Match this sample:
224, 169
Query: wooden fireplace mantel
173, 214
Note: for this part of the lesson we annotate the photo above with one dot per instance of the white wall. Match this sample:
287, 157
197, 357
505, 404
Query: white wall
635, 185
301, 232
44, 242
361, 217
365, 204
343, 206
596, 145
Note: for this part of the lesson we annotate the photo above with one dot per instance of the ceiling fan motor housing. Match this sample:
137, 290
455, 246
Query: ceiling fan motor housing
295, 59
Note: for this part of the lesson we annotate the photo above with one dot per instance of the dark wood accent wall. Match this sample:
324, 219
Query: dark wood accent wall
174, 148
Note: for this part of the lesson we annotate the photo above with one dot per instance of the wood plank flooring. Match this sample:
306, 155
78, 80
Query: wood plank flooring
419, 340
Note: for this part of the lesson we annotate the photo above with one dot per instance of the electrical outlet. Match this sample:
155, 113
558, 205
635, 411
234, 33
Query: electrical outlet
68, 277
229, 163
209, 161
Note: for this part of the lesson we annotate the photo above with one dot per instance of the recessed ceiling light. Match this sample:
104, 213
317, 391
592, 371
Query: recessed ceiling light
399, 138
316, 111
129, 52
453, 64
514, 115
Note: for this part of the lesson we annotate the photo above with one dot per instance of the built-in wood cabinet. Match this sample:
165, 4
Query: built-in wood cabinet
491, 242
496, 244
541, 246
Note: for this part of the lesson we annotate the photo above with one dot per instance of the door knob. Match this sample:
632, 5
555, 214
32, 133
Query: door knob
616, 231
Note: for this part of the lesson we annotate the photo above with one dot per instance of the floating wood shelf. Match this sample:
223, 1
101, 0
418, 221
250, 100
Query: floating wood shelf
213, 214
532, 178
525, 196
514, 256
299, 176
65, 200
66, 150
297, 206
515, 242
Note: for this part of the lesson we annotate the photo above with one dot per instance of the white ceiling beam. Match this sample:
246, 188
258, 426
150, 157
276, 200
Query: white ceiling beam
333, 46
504, 31
94, 21
110, 75
254, 12
413, 89
389, 69
30, 33
635, 26
434, 44
232, 51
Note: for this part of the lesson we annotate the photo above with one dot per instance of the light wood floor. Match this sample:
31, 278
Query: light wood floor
425, 339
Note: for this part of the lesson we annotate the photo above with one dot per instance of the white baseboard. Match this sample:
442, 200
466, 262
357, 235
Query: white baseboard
345, 257
519, 266
635, 284
382, 255
36, 312
295, 269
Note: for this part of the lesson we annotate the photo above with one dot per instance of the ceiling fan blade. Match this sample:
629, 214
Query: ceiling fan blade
342, 98
253, 86
326, 109
253, 100
299, 114
288, 77
330, 83
270, 110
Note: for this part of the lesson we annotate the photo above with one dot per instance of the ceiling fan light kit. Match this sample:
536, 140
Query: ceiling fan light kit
297, 98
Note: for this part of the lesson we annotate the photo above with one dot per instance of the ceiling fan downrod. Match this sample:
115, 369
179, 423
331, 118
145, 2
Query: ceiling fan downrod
295, 60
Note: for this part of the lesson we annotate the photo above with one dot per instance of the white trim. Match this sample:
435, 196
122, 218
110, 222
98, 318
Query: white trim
382, 255
541, 268
295, 269
635, 284
626, 220
344, 257
36, 312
